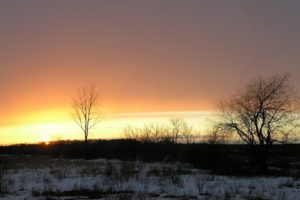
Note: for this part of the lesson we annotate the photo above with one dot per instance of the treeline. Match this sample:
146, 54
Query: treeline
227, 159
176, 131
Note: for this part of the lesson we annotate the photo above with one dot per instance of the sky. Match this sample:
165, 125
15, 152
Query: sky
147, 58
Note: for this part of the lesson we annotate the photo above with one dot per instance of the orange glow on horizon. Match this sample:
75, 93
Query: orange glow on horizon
54, 125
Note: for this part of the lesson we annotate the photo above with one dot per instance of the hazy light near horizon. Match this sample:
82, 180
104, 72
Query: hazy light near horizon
110, 127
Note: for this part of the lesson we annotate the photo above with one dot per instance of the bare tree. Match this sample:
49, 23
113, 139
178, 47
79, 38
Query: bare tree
180, 130
216, 135
176, 127
131, 133
86, 110
154, 133
187, 135
264, 113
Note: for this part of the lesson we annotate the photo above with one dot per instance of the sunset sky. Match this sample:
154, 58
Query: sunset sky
151, 60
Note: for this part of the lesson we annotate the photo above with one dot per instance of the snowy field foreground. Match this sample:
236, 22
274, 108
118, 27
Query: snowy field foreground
113, 179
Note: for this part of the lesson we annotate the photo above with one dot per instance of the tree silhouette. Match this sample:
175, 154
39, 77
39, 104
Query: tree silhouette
262, 114
86, 111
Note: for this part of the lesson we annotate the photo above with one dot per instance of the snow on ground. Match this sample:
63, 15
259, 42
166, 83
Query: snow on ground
113, 179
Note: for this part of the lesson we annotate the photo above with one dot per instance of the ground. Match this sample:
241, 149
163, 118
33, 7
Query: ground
32, 177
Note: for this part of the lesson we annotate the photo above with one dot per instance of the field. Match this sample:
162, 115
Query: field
41, 177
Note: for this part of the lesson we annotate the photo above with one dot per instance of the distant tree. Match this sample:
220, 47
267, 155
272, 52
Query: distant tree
86, 111
131, 133
177, 127
216, 136
154, 133
180, 130
262, 114
187, 134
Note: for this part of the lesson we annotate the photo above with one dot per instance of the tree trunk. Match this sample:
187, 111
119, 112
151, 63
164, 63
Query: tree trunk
86, 156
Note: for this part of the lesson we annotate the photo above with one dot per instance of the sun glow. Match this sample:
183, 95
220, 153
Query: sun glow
45, 139
48, 131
